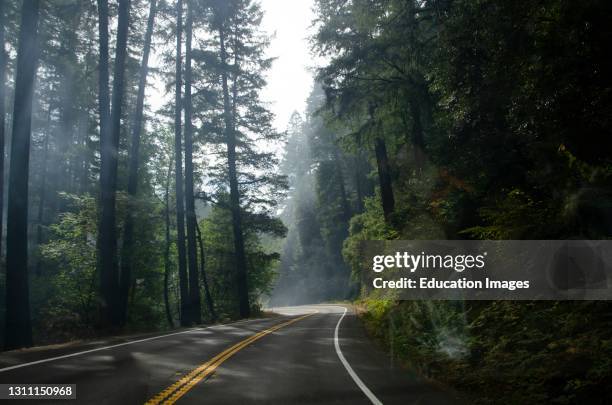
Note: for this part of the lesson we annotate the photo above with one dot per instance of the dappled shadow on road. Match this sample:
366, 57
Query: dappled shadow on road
299, 365
296, 364
132, 373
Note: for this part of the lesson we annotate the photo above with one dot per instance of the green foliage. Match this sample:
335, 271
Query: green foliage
328, 186
64, 171
67, 291
507, 219
523, 352
370, 225
220, 265
495, 115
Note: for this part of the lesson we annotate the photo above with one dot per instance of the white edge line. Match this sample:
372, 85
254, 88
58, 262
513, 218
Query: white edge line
97, 349
348, 367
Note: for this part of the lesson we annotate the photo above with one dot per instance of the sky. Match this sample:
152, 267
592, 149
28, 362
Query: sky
289, 79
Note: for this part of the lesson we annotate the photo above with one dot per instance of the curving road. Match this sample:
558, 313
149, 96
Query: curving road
316, 354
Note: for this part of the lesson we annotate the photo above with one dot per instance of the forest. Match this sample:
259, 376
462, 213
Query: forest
428, 120
109, 225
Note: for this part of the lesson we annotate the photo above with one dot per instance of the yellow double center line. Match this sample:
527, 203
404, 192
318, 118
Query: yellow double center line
171, 394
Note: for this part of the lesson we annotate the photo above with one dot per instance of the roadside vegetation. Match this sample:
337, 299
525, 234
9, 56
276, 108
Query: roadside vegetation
429, 119
142, 179
485, 119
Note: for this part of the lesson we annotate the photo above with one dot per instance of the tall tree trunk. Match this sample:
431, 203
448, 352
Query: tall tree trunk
384, 178
346, 209
109, 145
192, 255
418, 138
127, 254
18, 326
106, 281
67, 108
81, 159
209, 301
230, 139
2, 119
167, 247
42, 192
178, 172
358, 182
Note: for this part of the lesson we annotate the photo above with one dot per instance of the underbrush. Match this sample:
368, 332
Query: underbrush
502, 351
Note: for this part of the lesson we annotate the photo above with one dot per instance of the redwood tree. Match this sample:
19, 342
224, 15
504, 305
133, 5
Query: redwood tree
178, 172
127, 257
192, 256
109, 145
18, 325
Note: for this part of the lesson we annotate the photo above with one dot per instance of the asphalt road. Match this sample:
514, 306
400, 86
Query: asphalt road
308, 355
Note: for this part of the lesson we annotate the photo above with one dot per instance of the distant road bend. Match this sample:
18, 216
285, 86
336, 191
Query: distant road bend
316, 354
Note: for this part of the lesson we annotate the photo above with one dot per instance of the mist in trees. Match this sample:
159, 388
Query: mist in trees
329, 183
121, 216
18, 325
435, 119
481, 120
